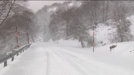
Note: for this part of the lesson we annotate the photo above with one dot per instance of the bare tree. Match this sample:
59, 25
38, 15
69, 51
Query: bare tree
6, 8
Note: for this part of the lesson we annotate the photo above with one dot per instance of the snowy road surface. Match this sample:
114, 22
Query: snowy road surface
52, 59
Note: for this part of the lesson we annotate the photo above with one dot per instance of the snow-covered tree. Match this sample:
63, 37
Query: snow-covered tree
123, 30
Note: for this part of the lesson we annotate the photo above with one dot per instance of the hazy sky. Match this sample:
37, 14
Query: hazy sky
36, 5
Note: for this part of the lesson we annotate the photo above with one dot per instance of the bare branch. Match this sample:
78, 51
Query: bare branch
11, 5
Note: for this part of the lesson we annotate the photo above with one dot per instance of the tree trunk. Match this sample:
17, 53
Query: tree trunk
32, 39
122, 40
82, 43
107, 10
103, 11
27, 37
67, 29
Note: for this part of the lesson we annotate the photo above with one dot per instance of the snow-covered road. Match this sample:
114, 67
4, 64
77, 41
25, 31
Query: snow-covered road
68, 63
46, 59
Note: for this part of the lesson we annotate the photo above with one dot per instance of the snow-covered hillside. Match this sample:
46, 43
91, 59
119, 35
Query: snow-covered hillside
105, 32
61, 58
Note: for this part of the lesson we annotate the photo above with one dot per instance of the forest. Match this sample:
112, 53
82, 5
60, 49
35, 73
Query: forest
71, 20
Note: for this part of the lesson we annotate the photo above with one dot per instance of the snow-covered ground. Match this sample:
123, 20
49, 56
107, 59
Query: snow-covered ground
69, 58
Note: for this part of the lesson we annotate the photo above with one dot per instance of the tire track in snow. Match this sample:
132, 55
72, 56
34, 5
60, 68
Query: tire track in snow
76, 64
59, 67
88, 68
95, 66
47, 64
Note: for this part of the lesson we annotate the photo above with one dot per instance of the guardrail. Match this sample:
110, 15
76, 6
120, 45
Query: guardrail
11, 55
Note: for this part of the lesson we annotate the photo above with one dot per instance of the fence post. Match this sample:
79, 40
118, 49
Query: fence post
5, 63
13, 58
17, 53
